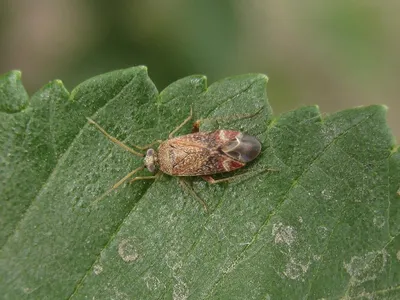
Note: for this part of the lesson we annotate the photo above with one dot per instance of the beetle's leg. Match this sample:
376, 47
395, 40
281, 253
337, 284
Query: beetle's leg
182, 124
209, 179
115, 140
185, 186
146, 177
196, 125
143, 178
245, 175
115, 186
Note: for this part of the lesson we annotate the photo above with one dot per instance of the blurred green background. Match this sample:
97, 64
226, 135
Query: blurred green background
336, 54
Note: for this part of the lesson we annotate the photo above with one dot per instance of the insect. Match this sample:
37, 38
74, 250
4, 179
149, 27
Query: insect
196, 154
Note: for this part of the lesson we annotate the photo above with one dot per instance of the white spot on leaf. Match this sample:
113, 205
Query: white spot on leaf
367, 267
181, 291
379, 221
322, 231
152, 282
316, 257
97, 269
173, 260
326, 194
28, 290
296, 269
127, 251
120, 295
283, 234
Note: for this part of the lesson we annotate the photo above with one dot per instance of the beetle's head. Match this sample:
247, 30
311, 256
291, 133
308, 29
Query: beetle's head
151, 160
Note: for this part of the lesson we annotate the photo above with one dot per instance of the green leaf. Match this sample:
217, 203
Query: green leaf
325, 224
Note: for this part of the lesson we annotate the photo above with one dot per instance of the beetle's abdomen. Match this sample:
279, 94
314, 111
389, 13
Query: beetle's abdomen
207, 153
182, 159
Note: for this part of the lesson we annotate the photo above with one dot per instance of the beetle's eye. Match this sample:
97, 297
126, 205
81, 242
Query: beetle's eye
150, 160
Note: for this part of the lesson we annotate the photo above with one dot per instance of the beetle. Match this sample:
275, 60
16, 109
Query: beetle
195, 154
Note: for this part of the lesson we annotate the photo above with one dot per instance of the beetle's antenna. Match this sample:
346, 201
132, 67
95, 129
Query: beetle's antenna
196, 124
182, 124
115, 186
115, 140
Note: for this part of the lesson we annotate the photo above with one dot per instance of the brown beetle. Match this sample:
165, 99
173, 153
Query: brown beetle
196, 154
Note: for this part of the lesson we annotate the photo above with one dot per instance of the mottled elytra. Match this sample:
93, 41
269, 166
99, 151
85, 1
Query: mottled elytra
196, 154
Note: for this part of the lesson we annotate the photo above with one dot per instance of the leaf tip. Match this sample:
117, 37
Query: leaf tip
142, 68
266, 78
15, 75
53, 88
15, 96
394, 149
58, 82
384, 107
260, 76
316, 108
